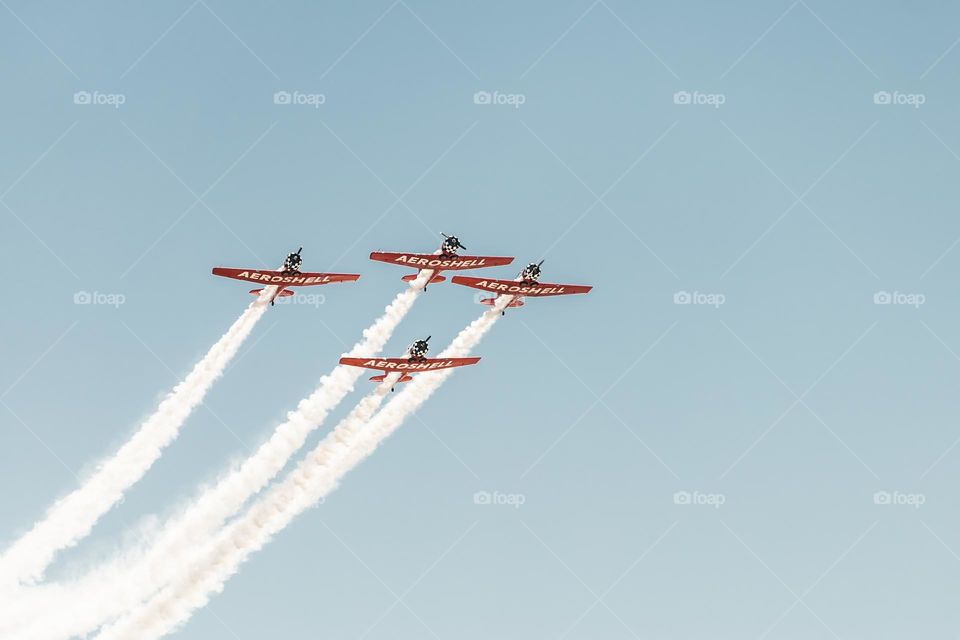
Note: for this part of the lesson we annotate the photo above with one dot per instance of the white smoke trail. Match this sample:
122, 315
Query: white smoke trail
130, 578
315, 477
54, 624
73, 516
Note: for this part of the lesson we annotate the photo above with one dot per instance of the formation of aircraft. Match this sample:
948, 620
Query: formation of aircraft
526, 285
289, 275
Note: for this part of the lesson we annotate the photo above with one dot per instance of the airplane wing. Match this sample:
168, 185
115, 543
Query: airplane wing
438, 263
405, 365
514, 288
304, 279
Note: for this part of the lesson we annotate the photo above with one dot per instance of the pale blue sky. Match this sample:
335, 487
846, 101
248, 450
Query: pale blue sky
797, 200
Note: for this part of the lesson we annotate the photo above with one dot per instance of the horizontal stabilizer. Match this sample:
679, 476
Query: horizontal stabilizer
516, 302
383, 376
413, 276
286, 293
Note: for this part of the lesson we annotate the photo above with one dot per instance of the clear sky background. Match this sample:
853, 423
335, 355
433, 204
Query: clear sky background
796, 400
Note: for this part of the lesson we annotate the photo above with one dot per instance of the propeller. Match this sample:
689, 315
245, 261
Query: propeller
456, 240
420, 347
293, 260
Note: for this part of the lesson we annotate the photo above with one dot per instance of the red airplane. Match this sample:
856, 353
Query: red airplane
446, 260
415, 362
528, 284
288, 276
